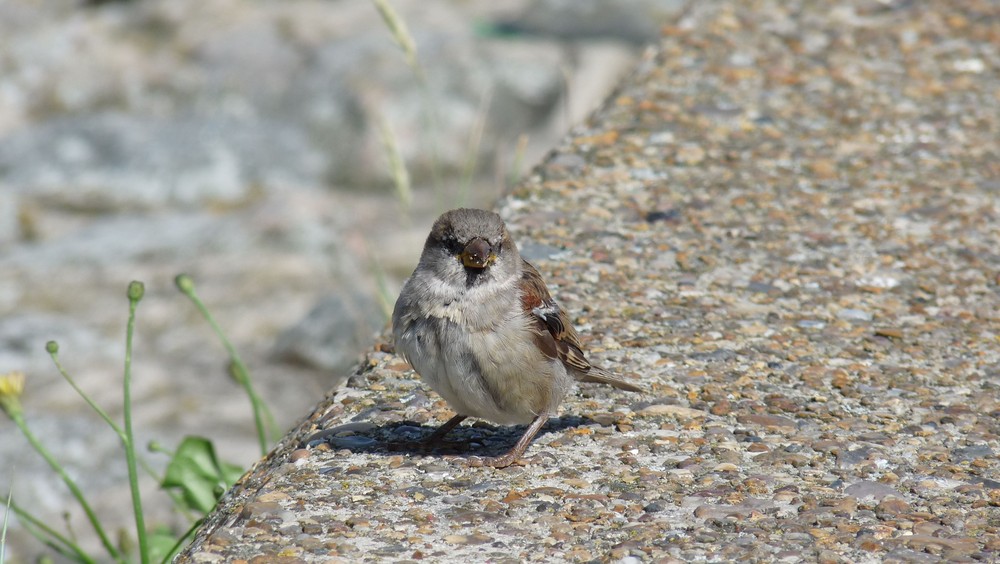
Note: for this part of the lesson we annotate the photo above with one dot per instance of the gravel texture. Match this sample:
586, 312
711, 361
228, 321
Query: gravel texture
786, 223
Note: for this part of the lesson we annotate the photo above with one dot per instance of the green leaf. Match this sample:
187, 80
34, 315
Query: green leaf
199, 474
230, 474
161, 542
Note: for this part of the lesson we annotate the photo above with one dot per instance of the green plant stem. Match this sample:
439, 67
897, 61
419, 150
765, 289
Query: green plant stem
397, 164
54, 540
6, 517
180, 542
104, 415
400, 33
383, 294
73, 488
186, 285
178, 502
515, 169
397, 27
257, 404
134, 295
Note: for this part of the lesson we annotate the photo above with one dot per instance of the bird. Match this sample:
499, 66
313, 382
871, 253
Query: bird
478, 324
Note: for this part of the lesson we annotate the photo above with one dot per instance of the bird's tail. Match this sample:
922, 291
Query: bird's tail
601, 376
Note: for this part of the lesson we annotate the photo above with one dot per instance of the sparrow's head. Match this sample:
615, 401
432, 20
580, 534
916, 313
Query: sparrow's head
469, 247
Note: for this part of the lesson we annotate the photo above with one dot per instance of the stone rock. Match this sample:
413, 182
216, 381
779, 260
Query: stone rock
868, 489
195, 101
636, 21
116, 162
334, 332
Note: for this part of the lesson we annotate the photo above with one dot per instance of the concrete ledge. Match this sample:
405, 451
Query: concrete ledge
786, 223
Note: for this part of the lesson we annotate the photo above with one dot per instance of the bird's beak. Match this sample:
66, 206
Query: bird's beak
477, 254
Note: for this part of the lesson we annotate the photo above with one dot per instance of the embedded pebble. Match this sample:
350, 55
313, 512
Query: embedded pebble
854, 315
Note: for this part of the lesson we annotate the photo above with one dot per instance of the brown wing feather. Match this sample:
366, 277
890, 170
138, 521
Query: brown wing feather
555, 335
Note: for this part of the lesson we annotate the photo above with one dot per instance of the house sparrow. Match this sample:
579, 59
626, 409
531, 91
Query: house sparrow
476, 321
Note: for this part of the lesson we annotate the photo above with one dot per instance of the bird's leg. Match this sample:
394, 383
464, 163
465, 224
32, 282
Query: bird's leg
444, 429
519, 447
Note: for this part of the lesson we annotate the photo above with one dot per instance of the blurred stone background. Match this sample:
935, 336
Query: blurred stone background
240, 142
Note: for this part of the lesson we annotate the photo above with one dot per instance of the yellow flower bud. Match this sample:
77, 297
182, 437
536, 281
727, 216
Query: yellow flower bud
11, 388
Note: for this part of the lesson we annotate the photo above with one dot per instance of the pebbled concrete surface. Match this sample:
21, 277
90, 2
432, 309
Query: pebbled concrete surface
786, 223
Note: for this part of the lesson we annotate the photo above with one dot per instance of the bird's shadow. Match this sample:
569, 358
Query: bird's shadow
408, 437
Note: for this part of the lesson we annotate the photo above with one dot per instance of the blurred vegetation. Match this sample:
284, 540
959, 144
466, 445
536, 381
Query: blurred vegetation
195, 477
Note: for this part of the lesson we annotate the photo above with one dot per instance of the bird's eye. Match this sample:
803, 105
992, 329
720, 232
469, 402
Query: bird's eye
453, 246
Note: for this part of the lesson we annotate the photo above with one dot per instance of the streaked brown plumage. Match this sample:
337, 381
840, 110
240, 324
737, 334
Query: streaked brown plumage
556, 336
